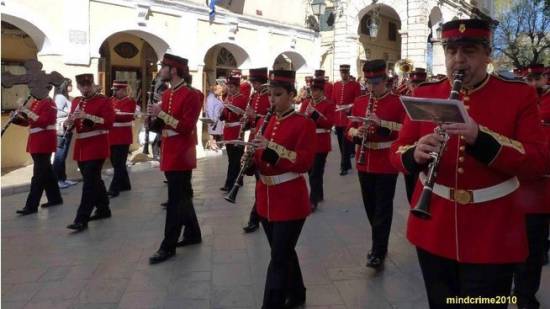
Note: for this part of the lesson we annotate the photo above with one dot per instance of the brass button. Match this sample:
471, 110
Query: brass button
461, 159
460, 170
462, 148
462, 137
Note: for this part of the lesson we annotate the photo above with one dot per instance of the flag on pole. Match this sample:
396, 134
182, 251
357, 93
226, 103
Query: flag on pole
213, 8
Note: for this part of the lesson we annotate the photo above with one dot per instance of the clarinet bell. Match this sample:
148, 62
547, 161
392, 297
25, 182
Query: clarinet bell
231, 196
422, 208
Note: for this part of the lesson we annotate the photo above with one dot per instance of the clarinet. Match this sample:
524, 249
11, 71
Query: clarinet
362, 159
422, 208
68, 131
247, 160
12, 118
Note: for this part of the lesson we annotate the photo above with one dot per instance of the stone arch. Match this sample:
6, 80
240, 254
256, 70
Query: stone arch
297, 61
357, 9
40, 33
156, 39
242, 58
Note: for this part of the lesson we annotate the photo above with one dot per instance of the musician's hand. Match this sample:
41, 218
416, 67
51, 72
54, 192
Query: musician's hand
78, 114
361, 131
68, 123
250, 113
309, 109
260, 142
154, 110
468, 130
425, 145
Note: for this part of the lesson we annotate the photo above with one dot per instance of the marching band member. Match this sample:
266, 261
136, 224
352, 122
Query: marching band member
92, 117
120, 137
284, 151
178, 114
343, 94
259, 105
476, 232
40, 117
231, 129
328, 85
384, 114
534, 198
322, 112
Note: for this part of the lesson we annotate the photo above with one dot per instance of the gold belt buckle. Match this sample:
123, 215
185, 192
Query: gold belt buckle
462, 197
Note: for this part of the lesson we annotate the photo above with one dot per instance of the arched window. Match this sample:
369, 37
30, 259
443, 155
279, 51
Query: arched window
364, 25
226, 59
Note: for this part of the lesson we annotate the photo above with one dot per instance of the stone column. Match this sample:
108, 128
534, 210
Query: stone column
414, 44
438, 59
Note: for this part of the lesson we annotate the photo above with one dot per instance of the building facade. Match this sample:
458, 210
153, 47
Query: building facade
125, 39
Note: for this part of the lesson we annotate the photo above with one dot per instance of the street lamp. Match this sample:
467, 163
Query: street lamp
374, 25
318, 7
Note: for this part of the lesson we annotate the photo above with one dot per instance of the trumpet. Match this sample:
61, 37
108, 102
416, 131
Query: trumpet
247, 160
422, 208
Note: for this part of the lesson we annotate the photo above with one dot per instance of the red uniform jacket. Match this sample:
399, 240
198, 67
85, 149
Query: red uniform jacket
178, 151
534, 196
324, 124
42, 135
95, 147
328, 89
288, 200
245, 88
121, 132
389, 110
510, 143
343, 94
231, 128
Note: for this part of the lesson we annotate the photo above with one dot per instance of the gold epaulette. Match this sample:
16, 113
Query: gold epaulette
432, 82
502, 78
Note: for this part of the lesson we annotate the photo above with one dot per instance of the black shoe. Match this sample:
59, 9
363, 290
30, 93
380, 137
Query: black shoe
26, 211
343, 172
112, 194
166, 181
99, 216
251, 227
188, 242
376, 261
51, 204
226, 189
165, 204
313, 206
78, 226
545, 261
295, 300
161, 256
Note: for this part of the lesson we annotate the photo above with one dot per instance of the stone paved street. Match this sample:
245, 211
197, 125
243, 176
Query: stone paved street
45, 266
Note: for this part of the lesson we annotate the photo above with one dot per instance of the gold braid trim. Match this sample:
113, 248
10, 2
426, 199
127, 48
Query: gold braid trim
168, 119
404, 148
282, 152
503, 140
393, 126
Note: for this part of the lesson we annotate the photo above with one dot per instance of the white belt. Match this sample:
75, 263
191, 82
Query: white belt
378, 146
232, 124
122, 124
36, 130
169, 133
464, 197
322, 130
91, 133
278, 179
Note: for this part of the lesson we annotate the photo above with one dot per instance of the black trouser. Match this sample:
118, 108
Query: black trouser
121, 181
254, 217
378, 191
284, 277
180, 211
527, 275
93, 191
346, 148
234, 154
61, 155
410, 184
447, 279
316, 173
43, 178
